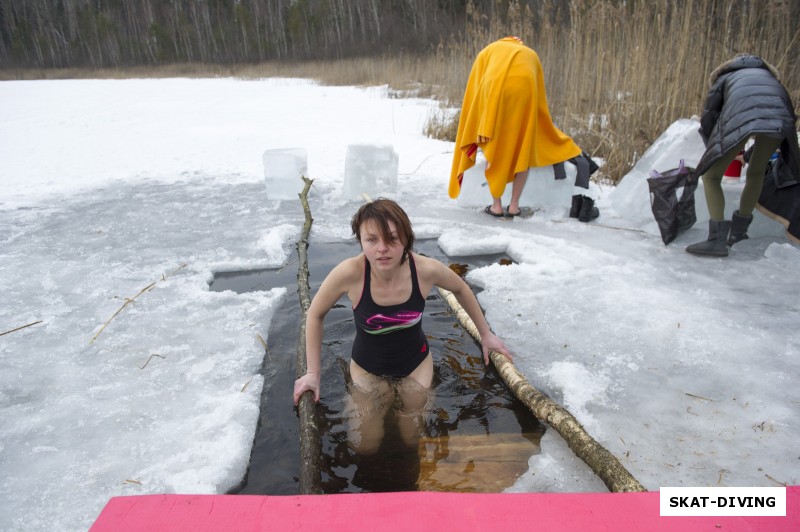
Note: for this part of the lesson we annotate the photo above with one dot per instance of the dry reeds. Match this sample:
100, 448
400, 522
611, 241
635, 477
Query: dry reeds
21, 327
617, 73
130, 300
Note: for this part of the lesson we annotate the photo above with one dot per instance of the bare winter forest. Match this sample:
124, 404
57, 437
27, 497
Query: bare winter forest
617, 72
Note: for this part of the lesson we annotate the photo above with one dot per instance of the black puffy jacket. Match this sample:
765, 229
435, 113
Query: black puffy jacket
746, 98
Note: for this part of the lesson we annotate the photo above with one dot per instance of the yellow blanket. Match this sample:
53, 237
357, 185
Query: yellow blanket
505, 113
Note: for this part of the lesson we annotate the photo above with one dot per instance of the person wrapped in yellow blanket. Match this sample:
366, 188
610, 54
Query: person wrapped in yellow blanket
505, 114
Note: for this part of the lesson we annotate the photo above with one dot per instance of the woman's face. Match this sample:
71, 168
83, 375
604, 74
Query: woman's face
381, 254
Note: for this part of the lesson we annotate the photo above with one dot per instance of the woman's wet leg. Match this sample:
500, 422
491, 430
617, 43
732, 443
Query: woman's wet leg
369, 399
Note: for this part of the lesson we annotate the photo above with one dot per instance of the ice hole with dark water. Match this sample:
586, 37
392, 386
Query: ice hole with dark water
475, 437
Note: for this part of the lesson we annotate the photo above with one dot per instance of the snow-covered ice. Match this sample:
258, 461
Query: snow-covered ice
132, 193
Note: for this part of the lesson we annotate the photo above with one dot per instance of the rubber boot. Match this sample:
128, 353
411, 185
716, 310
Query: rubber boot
588, 210
739, 225
575, 209
717, 243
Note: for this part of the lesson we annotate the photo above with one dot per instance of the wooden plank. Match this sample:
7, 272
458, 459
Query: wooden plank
475, 463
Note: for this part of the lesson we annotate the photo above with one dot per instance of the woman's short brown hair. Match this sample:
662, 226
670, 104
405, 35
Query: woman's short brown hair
383, 210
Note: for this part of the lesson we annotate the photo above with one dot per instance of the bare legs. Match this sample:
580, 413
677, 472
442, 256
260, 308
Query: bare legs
520, 178
414, 395
367, 403
371, 398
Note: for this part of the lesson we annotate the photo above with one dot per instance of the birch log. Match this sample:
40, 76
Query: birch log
598, 458
310, 447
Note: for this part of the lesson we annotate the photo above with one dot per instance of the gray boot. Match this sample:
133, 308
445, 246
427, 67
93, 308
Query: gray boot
716, 245
739, 225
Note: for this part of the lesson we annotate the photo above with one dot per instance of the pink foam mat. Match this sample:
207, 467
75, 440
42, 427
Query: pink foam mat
420, 511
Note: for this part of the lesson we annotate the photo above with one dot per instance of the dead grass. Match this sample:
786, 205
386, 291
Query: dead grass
617, 76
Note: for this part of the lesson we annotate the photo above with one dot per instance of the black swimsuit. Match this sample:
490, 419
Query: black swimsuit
389, 339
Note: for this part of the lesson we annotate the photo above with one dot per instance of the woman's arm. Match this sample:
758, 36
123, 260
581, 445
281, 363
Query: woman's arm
336, 284
442, 276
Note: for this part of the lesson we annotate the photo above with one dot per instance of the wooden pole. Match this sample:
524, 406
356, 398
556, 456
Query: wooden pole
598, 458
310, 447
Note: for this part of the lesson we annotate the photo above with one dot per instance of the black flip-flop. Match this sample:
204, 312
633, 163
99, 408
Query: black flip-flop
510, 214
488, 210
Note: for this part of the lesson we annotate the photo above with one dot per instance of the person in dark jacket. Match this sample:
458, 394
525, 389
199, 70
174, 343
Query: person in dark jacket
746, 99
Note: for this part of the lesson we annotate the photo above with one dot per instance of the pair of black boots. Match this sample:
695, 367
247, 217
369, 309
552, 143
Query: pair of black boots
722, 235
583, 209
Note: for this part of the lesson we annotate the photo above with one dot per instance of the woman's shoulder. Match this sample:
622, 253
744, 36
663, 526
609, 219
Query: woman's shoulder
353, 266
433, 272
426, 265
345, 274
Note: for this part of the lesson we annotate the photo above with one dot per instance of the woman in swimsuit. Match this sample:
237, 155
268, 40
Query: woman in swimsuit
387, 285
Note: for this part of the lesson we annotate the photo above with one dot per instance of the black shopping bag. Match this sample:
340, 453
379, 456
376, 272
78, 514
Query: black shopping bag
672, 200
